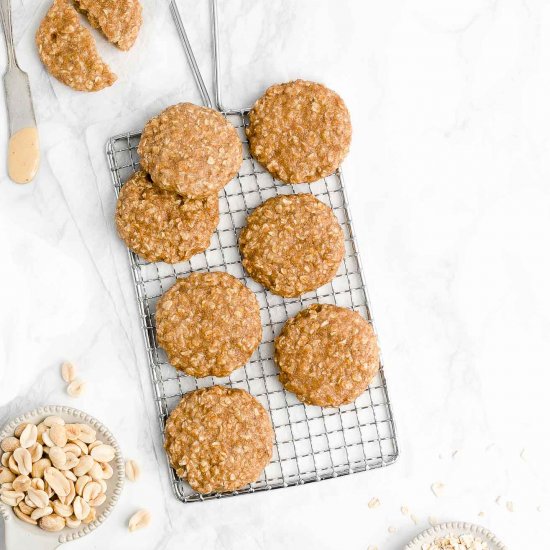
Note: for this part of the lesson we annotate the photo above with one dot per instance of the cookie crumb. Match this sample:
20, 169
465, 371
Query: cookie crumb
437, 488
374, 503
523, 455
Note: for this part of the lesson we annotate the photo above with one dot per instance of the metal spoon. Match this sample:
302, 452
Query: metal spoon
23, 147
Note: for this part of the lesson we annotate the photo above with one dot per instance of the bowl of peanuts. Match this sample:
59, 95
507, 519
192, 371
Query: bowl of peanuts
61, 473
456, 536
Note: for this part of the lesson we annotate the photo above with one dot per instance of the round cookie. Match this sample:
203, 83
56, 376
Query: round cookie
219, 439
189, 149
292, 244
327, 354
161, 225
300, 131
209, 324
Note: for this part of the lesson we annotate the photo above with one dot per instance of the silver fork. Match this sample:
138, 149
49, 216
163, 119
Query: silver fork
23, 148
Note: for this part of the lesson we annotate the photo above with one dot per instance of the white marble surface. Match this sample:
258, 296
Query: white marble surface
448, 180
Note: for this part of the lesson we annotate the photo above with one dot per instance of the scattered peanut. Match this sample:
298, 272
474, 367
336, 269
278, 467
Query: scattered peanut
19, 430
437, 488
38, 513
68, 372
9, 444
28, 436
23, 516
51, 522
21, 483
103, 453
374, 503
76, 388
23, 460
139, 520
133, 470
49, 421
58, 435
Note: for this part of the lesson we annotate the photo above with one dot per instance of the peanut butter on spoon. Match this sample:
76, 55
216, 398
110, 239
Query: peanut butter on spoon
23, 155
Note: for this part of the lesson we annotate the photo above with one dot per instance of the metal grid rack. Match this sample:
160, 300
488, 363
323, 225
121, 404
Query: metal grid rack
311, 443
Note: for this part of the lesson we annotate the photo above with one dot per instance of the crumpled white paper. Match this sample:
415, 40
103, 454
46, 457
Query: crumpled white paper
44, 301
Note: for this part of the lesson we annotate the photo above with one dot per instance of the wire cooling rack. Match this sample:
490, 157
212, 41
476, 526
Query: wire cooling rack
311, 443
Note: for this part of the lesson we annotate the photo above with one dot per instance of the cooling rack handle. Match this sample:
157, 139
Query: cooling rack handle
190, 55
216, 55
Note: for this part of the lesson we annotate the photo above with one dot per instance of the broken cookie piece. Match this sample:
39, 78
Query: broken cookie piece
118, 20
68, 50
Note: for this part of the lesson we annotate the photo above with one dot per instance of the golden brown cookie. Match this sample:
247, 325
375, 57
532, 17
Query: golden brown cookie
68, 50
209, 324
219, 439
118, 20
189, 149
162, 226
292, 244
300, 131
327, 354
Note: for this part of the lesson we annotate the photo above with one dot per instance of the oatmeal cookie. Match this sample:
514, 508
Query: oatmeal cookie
68, 50
292, 244
300, 131
327, 354
219, 439
118, 20
208, 324
189, 149
162, 226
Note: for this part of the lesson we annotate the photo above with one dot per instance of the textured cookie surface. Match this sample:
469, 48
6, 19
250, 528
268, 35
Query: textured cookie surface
300, 131
292, 244
219, 439
68, 50
118, 20
209, 324
161, 225
327, 355
189, 149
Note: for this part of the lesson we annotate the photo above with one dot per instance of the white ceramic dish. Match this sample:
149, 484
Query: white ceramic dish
20, 535
456, 528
